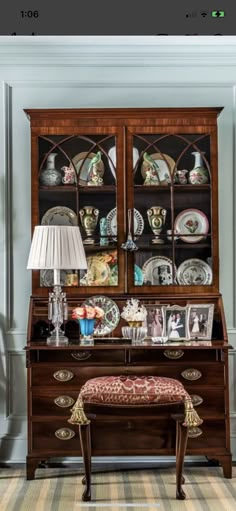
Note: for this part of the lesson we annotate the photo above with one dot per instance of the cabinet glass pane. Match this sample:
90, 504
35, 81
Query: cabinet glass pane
77, 186
172, 182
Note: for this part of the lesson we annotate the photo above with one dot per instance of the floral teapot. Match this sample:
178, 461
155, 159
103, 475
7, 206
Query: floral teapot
69, 177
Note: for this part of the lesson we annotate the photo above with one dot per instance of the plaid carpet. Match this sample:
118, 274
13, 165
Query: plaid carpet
126, 490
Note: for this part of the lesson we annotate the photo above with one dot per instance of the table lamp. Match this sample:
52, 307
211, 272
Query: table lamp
57, 247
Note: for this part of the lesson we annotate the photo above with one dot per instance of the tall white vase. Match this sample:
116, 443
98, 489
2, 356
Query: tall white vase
50, 176
199, 174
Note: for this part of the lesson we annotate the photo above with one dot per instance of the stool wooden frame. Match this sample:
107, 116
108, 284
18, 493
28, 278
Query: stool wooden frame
95, 412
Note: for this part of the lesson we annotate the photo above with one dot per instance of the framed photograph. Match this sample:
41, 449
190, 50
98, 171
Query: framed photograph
154, 320
200, 320
176, 325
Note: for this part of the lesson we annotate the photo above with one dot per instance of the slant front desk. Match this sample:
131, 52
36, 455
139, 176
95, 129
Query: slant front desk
152, 174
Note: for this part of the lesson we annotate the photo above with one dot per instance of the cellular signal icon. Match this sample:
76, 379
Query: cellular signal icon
192, 14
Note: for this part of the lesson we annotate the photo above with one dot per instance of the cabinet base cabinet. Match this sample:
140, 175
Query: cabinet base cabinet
203, 371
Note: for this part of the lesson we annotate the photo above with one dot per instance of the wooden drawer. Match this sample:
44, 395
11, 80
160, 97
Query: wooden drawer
136, 436
84, 356
124, 437
213, 437
213, 404
53, 403
44, 375
172, 355
55, 437
132, 436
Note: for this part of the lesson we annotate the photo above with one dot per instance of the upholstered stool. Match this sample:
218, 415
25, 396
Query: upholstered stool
125, 395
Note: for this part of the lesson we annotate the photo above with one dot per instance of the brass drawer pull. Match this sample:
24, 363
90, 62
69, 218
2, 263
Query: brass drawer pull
194, 432
63, 375
173, 353
196, 400
64, 433
64, 401
81, 355
191, 374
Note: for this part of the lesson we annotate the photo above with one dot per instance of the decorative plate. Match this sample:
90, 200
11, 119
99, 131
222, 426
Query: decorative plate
166, 166
97, 274
112, 223
111, 317
46, 278
157, 271
194, 272
112, 155
60, 215
191, 221
82, 163
138, 275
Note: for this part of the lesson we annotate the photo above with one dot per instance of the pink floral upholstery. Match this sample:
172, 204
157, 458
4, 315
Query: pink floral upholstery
132, 390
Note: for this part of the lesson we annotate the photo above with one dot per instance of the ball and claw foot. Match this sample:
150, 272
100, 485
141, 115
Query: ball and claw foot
86, 495
180, 495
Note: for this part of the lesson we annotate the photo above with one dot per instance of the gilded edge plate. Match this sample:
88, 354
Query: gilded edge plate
194, 272
191, 221
112, 223
59, 215
166, 166
111, 314
157, 271
82, 162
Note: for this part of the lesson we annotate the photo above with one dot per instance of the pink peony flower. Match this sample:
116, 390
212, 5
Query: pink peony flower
87, 311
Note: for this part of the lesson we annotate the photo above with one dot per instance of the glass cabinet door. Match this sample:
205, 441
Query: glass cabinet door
78, 183
172, 179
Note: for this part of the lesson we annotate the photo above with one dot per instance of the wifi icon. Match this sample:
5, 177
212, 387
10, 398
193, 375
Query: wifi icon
204, 14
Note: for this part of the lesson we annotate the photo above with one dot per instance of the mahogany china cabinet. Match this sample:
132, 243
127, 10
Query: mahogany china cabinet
142, 184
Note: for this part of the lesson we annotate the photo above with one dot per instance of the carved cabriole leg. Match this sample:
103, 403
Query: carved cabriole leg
85, 440
31, 465
181, 443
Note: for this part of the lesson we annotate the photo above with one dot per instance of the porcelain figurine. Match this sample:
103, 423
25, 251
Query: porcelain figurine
95, 170
69, 177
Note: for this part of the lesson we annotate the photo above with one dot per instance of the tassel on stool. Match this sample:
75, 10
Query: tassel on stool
191, 416
78, 415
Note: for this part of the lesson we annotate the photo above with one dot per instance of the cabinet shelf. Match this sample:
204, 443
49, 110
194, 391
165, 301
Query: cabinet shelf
100, 248
168, 246
80, 188
177, 187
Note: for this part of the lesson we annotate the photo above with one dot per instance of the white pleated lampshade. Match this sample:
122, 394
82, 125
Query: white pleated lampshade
57, 247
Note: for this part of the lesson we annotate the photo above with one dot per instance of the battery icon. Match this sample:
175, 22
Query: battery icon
217, 14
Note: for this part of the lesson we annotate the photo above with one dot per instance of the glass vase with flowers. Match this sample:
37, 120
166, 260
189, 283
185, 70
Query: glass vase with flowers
87, 316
